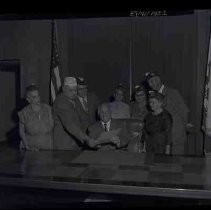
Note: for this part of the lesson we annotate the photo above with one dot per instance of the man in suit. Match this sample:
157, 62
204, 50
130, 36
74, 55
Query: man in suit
174, 103
86, 104
106, 124
68, 132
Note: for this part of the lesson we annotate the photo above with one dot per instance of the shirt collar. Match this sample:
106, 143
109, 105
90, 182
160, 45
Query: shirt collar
107, 123
81, 98
161, 89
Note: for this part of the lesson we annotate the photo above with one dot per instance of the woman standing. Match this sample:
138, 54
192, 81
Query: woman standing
119, 109
35, 123
157, 133
138, 107
138, 110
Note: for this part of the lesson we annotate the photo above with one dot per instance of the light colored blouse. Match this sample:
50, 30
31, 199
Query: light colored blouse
38, 126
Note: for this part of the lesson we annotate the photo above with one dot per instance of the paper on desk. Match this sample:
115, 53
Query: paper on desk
107, 135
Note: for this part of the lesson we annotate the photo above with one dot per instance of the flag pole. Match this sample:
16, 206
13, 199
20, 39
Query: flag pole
56, 77
52, 29
130, 77
206, 122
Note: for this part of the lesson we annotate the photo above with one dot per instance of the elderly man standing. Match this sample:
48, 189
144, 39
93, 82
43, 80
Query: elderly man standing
86, 104
175, 104
106, 124
68, 134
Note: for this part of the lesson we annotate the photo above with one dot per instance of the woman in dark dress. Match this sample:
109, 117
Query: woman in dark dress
157, 126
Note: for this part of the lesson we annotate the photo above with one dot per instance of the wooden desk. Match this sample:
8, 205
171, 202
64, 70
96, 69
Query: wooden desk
114, 172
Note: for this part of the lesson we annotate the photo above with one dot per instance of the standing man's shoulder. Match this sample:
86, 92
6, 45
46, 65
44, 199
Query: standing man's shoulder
171, 90
60, 100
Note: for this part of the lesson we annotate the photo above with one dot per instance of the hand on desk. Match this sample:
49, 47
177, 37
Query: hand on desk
116, 140
92, 143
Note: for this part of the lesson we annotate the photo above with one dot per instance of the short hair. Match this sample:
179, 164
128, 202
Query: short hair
119, 87
139, 88
31, 88
100, 107
159, 96
149, 75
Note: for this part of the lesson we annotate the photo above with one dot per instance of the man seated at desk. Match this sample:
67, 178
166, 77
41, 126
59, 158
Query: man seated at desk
113, 129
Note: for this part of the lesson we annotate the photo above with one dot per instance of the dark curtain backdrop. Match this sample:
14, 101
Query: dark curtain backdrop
99, 51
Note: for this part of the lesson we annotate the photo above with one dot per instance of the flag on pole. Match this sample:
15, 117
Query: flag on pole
207, 96
55, 72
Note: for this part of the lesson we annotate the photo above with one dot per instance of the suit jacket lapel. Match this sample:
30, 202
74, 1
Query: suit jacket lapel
100, 127
79, 105
112, 125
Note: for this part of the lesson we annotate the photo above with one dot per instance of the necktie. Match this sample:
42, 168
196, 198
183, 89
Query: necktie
85, 105
72, 102
105, 127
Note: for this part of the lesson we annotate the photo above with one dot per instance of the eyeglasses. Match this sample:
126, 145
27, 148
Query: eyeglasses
83, 88
139, 94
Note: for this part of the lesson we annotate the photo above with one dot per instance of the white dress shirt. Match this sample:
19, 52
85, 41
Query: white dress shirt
161, 89
108, 124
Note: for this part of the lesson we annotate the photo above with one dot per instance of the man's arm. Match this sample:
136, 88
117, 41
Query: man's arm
66, 117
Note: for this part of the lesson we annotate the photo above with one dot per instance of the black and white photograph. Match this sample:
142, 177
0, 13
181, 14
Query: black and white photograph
105, 110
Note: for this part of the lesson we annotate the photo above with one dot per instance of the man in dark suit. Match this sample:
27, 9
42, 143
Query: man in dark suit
86, 104
174, 103
68, 132
106, 124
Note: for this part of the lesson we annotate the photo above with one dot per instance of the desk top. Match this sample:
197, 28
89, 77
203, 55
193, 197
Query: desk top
118, 172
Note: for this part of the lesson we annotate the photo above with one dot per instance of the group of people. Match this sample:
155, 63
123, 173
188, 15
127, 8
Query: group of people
77, 120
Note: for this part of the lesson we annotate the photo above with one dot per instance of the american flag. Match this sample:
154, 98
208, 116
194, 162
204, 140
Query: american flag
55, 72
207, 96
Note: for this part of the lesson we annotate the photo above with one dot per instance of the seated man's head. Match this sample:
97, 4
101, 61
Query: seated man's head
32, 95
119, 93
154, 81
156, 101
104, 112
81, 87
70, 87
